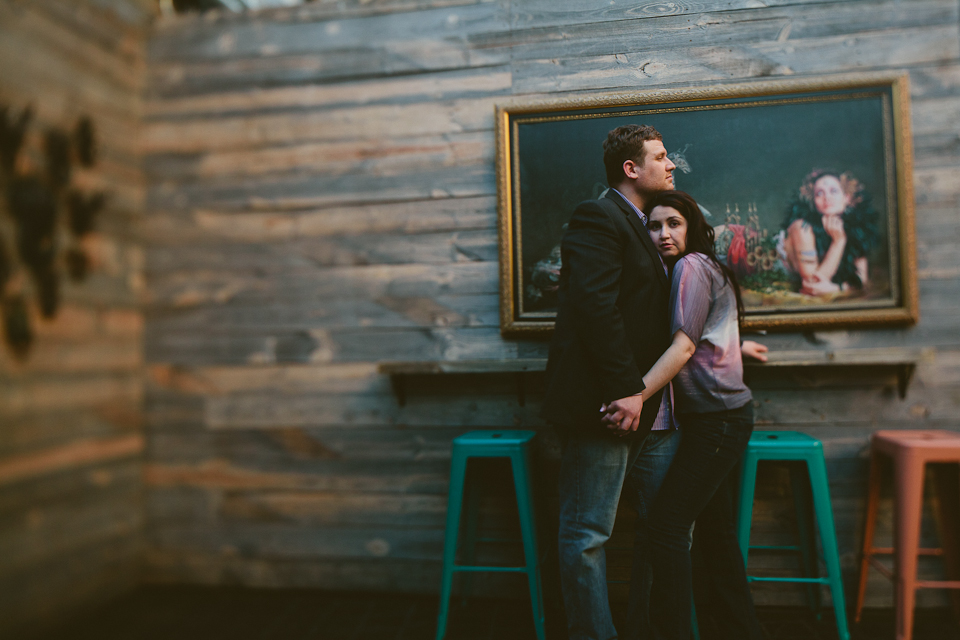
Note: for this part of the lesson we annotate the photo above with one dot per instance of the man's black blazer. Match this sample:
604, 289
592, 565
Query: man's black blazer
612, 321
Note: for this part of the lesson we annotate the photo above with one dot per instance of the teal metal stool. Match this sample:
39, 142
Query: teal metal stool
795, 446
514, 445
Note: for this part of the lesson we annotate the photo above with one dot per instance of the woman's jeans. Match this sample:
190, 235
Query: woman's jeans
712, 446
595, 467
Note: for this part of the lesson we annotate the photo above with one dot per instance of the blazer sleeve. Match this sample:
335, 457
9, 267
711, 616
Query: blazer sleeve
592, 250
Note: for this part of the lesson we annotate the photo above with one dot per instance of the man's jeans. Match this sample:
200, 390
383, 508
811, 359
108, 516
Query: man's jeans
594, 469
712, 445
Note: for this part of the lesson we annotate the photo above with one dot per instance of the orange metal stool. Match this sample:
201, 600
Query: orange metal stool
910, 451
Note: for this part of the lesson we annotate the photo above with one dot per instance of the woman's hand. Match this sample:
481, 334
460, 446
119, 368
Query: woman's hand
833, 225
623, 416
755, 350
816, 287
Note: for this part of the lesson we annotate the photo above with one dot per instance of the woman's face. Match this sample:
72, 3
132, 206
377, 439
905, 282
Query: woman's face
828, 196
668, 230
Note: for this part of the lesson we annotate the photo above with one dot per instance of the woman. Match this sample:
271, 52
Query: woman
715, 411
829, 231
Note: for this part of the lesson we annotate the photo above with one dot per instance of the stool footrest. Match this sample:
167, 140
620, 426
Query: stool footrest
876, 564
804, 580
474, 569
775, 547
888, 551
499, 540
938, 584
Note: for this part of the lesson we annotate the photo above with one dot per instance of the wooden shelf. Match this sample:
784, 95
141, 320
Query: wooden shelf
903, 359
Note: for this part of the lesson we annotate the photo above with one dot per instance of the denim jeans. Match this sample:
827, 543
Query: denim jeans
724, 608
595, 468
712, 445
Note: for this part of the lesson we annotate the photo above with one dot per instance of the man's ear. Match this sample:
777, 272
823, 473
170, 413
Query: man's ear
630, 169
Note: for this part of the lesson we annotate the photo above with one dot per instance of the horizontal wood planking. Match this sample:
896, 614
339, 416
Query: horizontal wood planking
55, 530
183, 289
793, 25
279, 277
442, 85
369, 249
68, 456
414, 216
702, 64
71, 499
365, 122
90, 483
272, 59
371, 157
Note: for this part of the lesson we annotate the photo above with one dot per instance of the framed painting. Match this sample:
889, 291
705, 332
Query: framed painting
759, 157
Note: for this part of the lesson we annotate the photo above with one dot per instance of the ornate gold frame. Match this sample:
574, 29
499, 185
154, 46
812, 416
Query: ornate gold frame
898, 83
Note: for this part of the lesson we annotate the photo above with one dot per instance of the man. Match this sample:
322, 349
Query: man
612, 326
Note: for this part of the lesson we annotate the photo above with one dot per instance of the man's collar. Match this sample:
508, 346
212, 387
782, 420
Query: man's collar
642, 215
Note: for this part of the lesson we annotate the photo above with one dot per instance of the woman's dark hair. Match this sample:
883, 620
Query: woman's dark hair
700, 235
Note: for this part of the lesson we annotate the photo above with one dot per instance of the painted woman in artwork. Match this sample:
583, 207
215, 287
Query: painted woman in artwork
830, 229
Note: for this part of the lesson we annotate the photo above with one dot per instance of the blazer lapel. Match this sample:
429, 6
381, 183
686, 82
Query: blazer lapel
634, 220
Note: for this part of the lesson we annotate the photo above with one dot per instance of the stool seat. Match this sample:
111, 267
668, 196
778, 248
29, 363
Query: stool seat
514, 445
488, 439
792, 446
777, 440
932, 445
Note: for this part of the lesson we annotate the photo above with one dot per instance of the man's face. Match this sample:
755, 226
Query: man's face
656, 172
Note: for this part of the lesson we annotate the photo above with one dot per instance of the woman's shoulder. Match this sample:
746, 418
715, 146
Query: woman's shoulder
696, 266
697, 262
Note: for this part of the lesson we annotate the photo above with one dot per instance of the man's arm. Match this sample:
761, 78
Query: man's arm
592, 251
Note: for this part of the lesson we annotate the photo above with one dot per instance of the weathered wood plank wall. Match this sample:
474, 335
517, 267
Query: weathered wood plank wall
71, 435
321, 197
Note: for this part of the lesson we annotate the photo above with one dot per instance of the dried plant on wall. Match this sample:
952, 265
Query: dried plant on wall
34, 226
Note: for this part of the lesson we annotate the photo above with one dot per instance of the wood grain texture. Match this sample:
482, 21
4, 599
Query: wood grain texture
321, 199
72, 441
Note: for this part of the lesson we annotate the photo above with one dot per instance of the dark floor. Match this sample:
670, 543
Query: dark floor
201, 613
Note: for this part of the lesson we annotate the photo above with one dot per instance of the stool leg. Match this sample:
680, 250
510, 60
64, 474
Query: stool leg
454, 504
694, 626
947, 483
828, 536
873, 501
908, 510
748, 481
800, 486
521, 480
471, 516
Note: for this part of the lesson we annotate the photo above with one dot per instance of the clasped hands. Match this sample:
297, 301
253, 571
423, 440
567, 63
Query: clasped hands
622, 416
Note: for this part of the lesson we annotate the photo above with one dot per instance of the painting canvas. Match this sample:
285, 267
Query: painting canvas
807, 184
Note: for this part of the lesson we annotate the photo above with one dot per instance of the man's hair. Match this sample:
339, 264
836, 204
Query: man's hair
622, 144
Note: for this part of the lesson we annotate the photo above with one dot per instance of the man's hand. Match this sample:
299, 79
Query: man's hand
623, 415
754, 350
